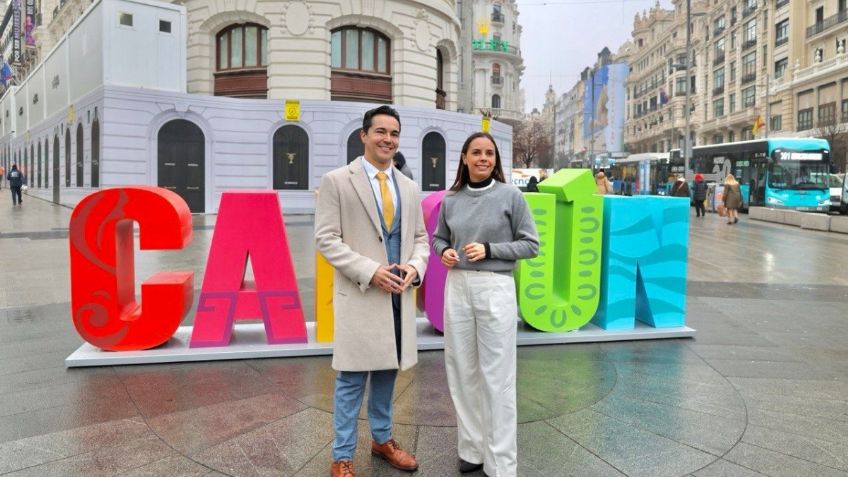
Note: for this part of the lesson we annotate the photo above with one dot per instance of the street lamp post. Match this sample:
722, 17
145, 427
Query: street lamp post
687, 108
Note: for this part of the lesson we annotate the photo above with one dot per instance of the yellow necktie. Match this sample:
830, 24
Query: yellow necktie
386, 196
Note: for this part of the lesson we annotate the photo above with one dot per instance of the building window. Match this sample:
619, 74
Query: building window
496, 101
845, 110
827, 114
125, 19
242, 60
749, 96
732, 101
680, 87
361, 64
718, 52
717, 139
732, 71
749, 67
164, 26
780, 67
746, 134
775, 123
718, 81
718, 107
242, 46
749, 35
805, 119
781, 33
441, 95
359, 49
718, 25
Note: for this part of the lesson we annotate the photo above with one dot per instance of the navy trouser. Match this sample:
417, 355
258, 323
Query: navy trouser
16, 195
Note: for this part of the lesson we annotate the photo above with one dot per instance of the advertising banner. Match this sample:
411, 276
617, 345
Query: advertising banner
603, 121
16, 32
29, 24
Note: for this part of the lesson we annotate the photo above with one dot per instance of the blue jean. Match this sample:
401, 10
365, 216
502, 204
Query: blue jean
350, 388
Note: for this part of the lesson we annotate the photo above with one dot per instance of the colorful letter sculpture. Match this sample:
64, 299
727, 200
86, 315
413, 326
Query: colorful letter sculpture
559, 290
644, 262
249, 227
324, 319
103, 302
432, 294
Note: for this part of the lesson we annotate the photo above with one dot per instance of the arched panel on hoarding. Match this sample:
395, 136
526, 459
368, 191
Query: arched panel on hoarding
57, 170
181, 162
95, 151
41, 170
46, 163
80, 156
355, 148
68, 157
291, 158
433, 157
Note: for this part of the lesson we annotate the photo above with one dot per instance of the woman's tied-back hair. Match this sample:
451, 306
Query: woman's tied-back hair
462, 175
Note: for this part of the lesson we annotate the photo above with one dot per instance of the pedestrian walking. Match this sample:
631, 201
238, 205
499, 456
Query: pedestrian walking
370, 227
16, 182
604, 186
699, 195
485, 226
732, 199
402, 166
680, 188
532, 184
2, 175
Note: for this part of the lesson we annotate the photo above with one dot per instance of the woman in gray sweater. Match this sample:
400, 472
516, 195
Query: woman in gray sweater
485, 226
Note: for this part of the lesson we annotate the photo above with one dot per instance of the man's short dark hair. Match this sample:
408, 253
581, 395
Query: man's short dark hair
367, 119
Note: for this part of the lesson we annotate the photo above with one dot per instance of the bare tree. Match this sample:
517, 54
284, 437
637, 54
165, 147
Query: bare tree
531, 145
836, 134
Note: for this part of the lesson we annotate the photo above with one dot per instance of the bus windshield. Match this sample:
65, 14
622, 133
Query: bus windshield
799, 175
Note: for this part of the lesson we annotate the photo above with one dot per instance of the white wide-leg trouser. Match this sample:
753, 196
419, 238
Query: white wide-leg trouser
480, 333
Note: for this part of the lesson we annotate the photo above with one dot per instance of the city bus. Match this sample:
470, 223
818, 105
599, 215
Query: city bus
786, 173
638, 174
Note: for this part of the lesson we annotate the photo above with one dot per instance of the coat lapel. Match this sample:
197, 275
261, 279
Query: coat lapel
363, 189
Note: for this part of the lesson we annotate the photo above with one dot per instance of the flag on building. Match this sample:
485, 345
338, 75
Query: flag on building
6, 74
759, 123
663, 97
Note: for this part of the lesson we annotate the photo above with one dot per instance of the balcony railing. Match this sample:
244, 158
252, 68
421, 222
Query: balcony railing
718, 31
718, 91
497, 80
781, 41
680, 93
748, 78
749, 43
747, 11
827, 23
497, 17
718, 60
781, 3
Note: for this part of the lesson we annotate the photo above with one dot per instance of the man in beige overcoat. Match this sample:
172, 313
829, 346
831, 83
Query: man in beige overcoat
369, 226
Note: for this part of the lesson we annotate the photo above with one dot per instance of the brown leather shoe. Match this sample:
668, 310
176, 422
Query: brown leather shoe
342, 468
394, 455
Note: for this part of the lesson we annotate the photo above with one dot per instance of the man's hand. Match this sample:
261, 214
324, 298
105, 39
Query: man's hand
385, 279
475, 251
409, 274
450, 257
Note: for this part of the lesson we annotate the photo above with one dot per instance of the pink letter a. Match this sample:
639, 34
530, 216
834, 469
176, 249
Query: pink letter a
249, 227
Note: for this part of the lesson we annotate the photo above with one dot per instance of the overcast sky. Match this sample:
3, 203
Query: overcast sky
562, 37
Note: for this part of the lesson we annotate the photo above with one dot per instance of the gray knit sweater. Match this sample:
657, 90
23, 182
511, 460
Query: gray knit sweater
498, 216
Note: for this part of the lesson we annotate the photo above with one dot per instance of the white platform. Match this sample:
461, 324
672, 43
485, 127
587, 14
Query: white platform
248, 342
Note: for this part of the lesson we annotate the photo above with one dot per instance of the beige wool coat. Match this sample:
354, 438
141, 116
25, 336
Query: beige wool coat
348, 234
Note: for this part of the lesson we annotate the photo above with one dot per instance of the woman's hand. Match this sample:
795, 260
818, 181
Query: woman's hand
450, 257
475, 251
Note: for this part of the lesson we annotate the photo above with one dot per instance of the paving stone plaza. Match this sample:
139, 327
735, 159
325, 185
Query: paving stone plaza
762, 388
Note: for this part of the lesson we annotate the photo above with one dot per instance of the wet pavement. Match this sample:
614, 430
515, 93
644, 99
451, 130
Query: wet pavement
761, 390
